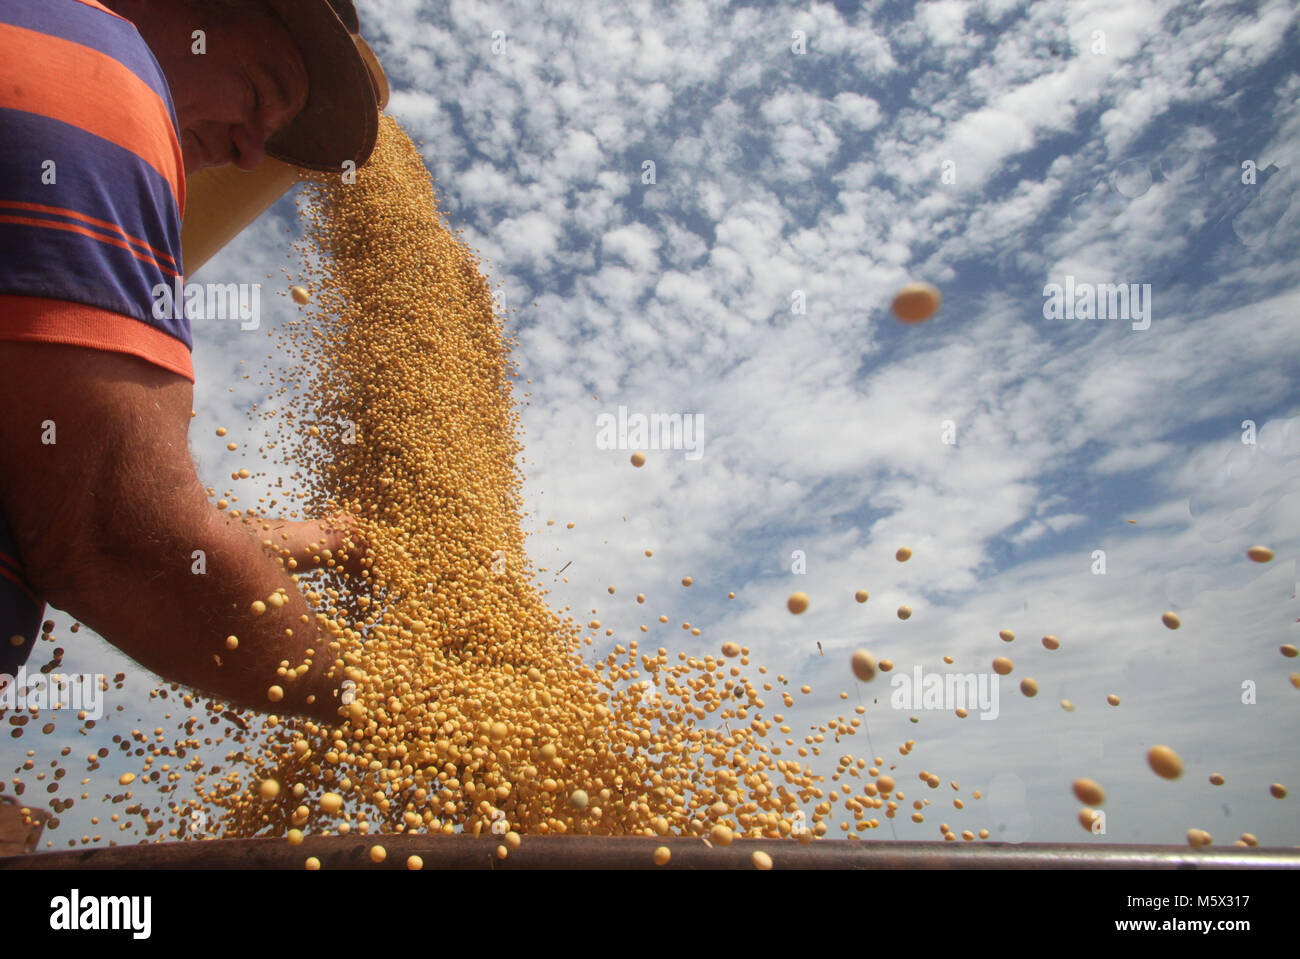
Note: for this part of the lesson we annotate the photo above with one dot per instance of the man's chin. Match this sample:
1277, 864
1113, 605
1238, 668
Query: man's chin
191, 156
194, 156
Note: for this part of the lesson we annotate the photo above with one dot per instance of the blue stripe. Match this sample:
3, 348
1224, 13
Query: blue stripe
98, 179
80, 159
92, 176
79, 23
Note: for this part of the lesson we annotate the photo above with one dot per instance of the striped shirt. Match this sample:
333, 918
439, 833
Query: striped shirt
92, 189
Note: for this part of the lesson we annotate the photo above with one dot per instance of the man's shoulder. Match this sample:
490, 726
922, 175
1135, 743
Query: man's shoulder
66, 58
92, 182
83, 23
80, 21
78, 84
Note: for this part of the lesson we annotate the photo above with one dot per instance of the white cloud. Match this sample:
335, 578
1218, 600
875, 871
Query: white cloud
858, 111
943, 20
530, 238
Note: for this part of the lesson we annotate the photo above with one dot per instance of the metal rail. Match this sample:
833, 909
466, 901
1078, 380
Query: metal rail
603, 852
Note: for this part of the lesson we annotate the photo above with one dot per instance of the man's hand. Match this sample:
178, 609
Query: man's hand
309, 544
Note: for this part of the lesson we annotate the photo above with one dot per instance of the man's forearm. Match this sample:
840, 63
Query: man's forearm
171, 598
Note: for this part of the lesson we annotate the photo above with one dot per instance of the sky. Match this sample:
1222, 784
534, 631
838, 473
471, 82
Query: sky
808, 161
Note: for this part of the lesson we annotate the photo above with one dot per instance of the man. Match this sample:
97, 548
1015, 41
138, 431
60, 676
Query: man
104, 108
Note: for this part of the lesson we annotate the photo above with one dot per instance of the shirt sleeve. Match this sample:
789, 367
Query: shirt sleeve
92, 185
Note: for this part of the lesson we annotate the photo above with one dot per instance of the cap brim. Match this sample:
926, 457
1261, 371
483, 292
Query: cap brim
340, 121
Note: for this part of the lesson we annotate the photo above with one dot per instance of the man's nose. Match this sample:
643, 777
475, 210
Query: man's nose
250, 147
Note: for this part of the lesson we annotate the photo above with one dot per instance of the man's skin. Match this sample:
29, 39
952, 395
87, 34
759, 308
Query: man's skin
107, 519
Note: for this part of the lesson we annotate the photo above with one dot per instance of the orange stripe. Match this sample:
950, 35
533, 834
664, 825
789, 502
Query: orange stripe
60, 211
73, 228
93, 92
38, 320
21, 585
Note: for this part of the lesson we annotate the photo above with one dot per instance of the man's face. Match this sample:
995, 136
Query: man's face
250, 83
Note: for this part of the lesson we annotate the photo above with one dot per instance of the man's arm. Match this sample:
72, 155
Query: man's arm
107, 519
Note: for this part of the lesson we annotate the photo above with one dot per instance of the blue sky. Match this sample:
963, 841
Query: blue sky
1100, 140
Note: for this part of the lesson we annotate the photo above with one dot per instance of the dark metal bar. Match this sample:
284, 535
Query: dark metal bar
601, 852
